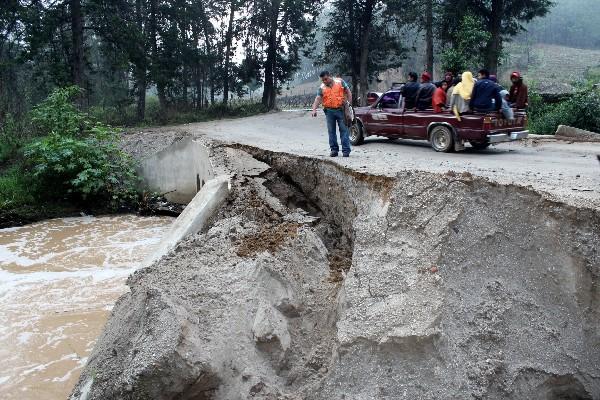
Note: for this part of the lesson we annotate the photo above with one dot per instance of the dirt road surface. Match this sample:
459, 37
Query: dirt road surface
567, 171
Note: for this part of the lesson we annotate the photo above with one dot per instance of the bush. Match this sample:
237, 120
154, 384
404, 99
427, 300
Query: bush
582, 110
58, 114
14, 189
79, 160
12, 139
126, 116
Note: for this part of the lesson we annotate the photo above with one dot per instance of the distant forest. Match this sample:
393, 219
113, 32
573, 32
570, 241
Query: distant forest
129, 55
573, 23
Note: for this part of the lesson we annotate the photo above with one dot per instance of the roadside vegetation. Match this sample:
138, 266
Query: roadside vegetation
60, 159
580, 110
126, 115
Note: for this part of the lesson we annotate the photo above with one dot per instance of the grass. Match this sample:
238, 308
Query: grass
14, 189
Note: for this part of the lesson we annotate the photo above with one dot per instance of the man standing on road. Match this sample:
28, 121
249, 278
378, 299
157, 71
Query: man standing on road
332, 94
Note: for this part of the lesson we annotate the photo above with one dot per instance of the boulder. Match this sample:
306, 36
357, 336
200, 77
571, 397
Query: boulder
569, 132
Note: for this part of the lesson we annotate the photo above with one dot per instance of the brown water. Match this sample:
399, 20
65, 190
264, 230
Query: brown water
58, 281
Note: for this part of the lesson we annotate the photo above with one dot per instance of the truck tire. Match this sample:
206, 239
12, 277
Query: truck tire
441, 139
357, 136
479, 146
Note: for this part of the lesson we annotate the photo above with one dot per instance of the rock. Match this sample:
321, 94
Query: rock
569, 132
270, 326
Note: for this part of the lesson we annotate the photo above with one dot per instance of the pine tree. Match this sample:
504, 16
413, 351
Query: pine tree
361, 40
503, 19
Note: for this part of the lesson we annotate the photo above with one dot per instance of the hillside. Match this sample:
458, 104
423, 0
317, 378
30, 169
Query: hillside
551, 68
547, 68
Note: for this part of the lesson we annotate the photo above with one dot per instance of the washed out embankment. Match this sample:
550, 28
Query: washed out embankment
315, 281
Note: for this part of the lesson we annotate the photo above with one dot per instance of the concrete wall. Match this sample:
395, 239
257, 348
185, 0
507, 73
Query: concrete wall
181, 169
194, 217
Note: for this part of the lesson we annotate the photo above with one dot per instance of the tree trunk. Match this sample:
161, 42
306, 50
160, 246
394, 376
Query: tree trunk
140, 67
197, 69
77, 42
270, 89
228, 39
429, 37
364, 50
158, 79
184, 86
354, 65
140, 82
209, 73
494, 46
77, 47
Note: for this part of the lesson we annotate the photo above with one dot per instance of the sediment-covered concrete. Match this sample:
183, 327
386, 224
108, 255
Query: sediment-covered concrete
194, 217
179, 170
314, 281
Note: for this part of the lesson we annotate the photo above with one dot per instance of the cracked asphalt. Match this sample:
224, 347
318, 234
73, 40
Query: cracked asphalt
566, 171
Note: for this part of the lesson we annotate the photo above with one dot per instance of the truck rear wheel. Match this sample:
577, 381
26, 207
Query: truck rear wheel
357, 136
441, 139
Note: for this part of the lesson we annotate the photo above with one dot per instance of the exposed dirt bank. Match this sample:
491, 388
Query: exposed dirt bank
319, 282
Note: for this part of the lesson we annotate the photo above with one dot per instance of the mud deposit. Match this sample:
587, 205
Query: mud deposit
58, 281
319, 282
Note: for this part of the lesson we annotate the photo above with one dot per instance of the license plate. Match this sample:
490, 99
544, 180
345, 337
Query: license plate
500, 123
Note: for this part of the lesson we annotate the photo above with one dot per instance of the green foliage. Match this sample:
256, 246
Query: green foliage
155, 116
12, 138
78, 160
468, 50
58, 114
344, 32
582, 110
501, 19
14, 189
592, 74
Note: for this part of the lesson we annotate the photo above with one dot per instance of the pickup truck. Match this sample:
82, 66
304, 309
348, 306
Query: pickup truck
389, 118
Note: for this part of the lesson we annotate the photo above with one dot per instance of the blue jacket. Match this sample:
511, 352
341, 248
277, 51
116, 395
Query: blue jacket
409, 91
486, 96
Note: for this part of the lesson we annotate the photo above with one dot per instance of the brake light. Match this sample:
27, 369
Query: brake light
487, 123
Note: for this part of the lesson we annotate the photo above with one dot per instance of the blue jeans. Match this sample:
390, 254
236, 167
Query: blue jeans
332, 117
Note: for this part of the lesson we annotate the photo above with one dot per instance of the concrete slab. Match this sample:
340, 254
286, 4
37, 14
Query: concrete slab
194, 217
180, 170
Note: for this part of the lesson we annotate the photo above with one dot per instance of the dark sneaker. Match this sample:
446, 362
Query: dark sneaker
346, 154
333, 154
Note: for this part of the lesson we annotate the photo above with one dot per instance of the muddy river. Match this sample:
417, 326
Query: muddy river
58, 281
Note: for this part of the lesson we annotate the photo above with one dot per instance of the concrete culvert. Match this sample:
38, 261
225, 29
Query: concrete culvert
454, 288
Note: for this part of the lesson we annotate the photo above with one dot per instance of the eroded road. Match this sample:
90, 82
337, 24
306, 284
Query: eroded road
569, 171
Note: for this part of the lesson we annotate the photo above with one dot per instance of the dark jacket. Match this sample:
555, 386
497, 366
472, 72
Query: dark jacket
518, 95
409, 92
486, 96
425, 95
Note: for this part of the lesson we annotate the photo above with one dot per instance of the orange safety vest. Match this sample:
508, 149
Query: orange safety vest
333, 96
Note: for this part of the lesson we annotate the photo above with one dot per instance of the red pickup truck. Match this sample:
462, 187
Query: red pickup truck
388, 118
